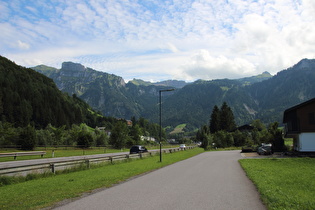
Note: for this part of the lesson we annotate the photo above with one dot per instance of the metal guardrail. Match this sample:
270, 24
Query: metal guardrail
52, 164
15, 154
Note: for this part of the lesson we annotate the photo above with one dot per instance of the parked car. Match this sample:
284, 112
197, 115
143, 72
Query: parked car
182, 146
138, 149
265, 149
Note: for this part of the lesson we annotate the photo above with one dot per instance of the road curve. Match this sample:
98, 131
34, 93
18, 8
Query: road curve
211, 180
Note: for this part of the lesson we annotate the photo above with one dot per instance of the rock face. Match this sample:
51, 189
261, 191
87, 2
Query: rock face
104, 92
72, 68
263, 97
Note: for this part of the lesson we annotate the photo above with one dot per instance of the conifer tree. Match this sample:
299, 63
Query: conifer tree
215, 120
222, 119
227, 121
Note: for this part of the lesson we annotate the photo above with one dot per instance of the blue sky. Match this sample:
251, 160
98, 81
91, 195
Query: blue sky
157, 40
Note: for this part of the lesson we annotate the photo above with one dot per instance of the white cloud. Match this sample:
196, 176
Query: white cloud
203, 65
154, 40
23, 45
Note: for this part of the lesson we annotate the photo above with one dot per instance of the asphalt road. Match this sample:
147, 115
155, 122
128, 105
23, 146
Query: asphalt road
211, 180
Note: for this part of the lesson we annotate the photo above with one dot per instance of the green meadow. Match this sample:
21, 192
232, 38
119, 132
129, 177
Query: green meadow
283, 183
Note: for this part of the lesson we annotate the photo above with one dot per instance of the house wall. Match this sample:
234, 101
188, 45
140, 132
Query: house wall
304, 113
305, 142
291, 121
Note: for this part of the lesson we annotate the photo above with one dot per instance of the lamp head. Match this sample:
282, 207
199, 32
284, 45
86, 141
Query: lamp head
167, 90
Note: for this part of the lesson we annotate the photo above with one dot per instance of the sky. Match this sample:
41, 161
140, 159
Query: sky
156, 40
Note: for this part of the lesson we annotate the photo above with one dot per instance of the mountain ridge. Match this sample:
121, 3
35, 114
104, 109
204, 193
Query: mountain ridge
258, 97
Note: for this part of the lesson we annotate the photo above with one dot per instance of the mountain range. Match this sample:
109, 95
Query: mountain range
263, 97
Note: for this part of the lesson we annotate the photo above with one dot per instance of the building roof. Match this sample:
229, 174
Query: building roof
298, 106
245, 127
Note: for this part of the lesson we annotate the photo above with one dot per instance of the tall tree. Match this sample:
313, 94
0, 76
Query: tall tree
215, 120
135, 133
227, 121
119, 135
203, 136
277, 138
258, 124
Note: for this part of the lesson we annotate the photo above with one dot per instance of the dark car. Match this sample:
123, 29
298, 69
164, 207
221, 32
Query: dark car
265, 149
138, 149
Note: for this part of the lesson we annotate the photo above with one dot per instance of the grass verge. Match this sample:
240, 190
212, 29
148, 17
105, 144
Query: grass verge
44, 192
286, 183
70, 151
60, 152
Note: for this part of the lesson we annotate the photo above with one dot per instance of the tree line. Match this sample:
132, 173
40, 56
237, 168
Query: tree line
117, 135
222, 132
33, 112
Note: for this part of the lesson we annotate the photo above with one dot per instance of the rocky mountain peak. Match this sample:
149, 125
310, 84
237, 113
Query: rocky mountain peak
74, 67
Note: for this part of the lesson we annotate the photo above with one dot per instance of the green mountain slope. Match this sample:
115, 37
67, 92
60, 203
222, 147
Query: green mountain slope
105, 92
254, 79
288, 88
28, 97
193, 104
262, 97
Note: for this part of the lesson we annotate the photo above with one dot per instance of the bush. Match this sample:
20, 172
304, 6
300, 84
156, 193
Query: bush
27, 138
85, 139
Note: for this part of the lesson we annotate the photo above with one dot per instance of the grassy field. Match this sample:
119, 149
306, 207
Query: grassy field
284, 183
44, 192
61, 152
178, 129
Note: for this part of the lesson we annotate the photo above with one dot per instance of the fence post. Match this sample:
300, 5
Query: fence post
87, 161
52, 165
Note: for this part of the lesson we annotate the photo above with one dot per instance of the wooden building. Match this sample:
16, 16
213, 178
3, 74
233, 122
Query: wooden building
299, 124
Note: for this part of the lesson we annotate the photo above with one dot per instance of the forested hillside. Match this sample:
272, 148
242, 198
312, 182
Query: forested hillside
288, 88
263, 97
28, 97
265, 100
193, 103
34, 112
105, 92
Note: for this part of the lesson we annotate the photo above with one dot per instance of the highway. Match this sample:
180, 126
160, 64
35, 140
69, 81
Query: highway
211, 180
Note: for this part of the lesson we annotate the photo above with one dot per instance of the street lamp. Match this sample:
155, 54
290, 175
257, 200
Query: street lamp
160, 94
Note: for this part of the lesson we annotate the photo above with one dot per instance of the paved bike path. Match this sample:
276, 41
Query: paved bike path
211, 180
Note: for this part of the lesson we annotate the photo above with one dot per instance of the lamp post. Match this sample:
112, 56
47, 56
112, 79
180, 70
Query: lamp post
160, 94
